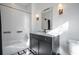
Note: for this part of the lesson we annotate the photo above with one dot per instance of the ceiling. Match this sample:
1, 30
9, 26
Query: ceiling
23, 4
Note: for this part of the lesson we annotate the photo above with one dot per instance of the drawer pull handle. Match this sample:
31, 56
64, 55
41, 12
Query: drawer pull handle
7, 32
19, 31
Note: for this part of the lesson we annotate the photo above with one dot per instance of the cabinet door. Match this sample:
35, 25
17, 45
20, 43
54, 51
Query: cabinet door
34, 44
45, 48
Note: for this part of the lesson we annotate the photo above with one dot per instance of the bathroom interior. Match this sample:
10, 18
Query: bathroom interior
39, 28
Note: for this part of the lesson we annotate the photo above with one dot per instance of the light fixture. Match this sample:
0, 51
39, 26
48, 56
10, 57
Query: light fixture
60, 9
37, 17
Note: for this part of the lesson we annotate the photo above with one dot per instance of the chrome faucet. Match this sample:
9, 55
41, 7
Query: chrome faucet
45, 30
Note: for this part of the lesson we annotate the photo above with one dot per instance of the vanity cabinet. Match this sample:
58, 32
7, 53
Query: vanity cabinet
41, 45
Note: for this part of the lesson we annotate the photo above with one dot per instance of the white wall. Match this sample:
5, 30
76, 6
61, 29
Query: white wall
35, 24
14, 20
71, 15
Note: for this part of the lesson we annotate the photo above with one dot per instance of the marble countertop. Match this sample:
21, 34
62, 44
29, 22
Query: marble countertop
42, 33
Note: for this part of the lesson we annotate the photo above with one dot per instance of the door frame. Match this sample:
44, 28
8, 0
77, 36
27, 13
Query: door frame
0, 35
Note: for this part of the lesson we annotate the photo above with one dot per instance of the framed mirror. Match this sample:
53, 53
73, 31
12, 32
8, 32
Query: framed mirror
47, 18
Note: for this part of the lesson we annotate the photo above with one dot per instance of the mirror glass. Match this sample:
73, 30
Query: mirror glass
47, 17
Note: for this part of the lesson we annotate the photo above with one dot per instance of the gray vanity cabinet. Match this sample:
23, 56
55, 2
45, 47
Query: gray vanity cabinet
42, 45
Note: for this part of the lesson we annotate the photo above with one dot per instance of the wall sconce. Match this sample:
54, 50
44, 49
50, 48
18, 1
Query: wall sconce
37, 17
60, 9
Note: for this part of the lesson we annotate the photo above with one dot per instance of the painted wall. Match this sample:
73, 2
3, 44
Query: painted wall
70, 15
36, 25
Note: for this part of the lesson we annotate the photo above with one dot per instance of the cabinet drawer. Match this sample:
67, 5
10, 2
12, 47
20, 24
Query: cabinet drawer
42, 38
38, 37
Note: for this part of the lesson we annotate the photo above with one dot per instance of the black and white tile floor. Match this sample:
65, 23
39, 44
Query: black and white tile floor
28, 51
24, 52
